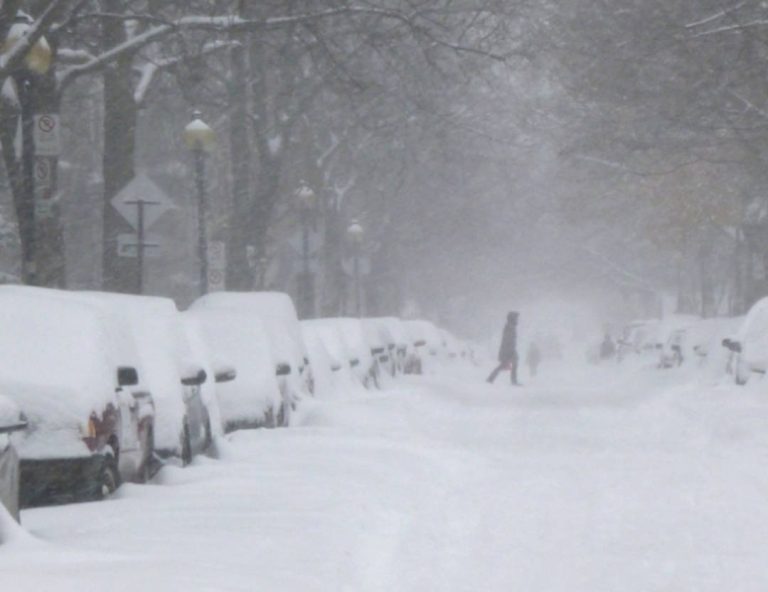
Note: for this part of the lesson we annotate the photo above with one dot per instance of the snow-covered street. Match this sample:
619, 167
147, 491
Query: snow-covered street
586, 480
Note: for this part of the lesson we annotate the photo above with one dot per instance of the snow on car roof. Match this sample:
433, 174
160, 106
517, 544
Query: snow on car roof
55, 356
274, 309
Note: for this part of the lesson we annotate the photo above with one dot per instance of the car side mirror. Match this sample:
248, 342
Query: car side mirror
225, 374
127, 376
194, 377
283, 369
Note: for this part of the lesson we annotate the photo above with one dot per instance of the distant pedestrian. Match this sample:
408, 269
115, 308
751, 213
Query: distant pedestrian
508, 350
533, 358
607, 348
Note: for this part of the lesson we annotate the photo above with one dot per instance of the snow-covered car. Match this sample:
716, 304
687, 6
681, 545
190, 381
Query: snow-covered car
638, 337
89, 423
360, 360
323, 365
253, 399
694, 339
171, 371
281, 323
328, 334
11, 420
382, 346
399, 336
749, 346
426, 343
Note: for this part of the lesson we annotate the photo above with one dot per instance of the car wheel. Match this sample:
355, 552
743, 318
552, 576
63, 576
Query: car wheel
149, 456
186, 446
208, 431
109, 478
283, 415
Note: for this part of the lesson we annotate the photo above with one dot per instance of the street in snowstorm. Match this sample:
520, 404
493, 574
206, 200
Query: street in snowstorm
588, 481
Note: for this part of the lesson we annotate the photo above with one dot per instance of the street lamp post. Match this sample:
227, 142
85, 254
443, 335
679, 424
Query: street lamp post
200, 139
355, 234
36, 63
306, 198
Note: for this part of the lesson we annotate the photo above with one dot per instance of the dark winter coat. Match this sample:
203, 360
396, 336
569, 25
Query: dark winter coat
508, 349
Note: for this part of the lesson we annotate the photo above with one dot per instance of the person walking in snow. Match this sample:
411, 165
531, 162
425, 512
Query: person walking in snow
533, 358
508, 350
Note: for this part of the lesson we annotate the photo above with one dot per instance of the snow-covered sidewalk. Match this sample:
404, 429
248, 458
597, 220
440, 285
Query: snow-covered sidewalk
580, 482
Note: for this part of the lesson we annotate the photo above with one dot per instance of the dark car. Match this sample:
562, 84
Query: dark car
11, 420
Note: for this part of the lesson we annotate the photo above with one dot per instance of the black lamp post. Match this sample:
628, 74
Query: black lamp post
355, 234
36, 63
200, 139
306, 200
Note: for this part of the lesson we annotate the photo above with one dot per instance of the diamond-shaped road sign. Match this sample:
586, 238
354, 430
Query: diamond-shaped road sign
141, 188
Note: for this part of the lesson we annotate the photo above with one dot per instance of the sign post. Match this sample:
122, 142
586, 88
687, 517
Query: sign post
141, 203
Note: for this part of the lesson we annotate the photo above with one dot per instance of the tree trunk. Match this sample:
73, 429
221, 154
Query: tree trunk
239, 271
119, 274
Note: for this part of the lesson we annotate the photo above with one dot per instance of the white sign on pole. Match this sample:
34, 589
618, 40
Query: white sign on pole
217, 266
47, 134
141, 188
128, 246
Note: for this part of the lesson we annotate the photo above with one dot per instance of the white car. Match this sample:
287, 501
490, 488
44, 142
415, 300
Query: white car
253, 399
278, 316
749, 346
327, 333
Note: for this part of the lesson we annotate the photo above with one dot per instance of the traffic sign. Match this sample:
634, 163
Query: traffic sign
216, 280
47, 134
217, 255
128, 246
217, 266
141, 188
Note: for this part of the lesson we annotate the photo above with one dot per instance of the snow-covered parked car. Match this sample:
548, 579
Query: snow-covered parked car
673, 334
69, 368
325, 337
692, 339
11, 420
382, 346
360, 360
278, 316
638, 337
253, 399
749, 346
402, 343
170, 370
426, 342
